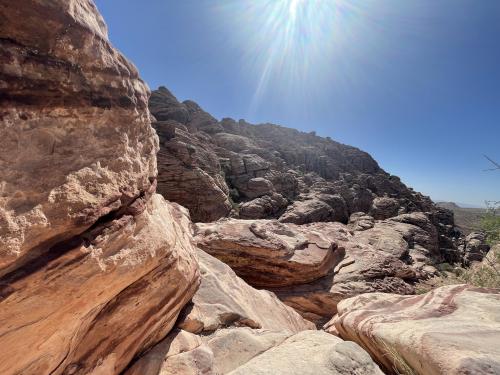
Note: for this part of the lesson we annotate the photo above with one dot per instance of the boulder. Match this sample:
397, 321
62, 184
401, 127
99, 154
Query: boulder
267, 253
450, 330
268, 206
384, 208
94, 267
308, 211
311, 353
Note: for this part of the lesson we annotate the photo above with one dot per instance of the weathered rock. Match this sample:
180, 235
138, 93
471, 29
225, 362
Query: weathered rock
308, 211
474, 248
189, 173
224, 299
76, 141
384, 208
294, 262
267, 206
359, 221
450, 330
94, 267
268, 253
311, 353
93, 302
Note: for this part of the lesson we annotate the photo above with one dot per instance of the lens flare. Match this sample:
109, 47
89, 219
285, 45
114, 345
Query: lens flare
289, 46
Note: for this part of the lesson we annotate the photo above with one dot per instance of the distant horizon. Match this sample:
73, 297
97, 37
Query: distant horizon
414, 83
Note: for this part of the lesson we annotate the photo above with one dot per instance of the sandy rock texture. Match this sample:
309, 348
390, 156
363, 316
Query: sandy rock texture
94, 267
450, 330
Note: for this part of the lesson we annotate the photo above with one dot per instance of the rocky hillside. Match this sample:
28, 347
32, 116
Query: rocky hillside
466, 219
302, 260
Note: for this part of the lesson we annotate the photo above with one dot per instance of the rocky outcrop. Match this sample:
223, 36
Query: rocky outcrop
262, 169
312, 267
450, 330
94, 267
226, 325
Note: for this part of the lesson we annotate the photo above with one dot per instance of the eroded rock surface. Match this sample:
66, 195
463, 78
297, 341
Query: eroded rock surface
450, 330
94, 267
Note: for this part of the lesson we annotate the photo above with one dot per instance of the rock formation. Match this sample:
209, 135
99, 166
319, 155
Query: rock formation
94, 267
450, 330
231, 328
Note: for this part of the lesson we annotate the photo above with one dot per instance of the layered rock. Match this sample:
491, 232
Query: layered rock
231, 328
312, 267
94, 267
264, 168
267, 253
224, 299
450, 330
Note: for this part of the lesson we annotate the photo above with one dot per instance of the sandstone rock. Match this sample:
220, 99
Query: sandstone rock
267, 206
359, 221
294, 262
180, 353
95, 301
94, 268
76, 141
475, 248
450, 330
311, 353
224, 299
189, 173
268, 253
384, 208
308, 211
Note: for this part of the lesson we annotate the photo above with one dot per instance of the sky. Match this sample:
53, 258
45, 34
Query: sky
416, 83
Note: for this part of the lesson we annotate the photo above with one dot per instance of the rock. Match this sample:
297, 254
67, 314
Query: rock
359, 221
384, 208
308, 211
267, 206
364, 269
475, 248
224, 300
311, 353
295, 262
94, 267
189, 173
267, 253
450, 330
257, 187
95, 301
165, 106
76, 141
180, 353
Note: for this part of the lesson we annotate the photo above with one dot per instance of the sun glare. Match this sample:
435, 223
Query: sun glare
287, 43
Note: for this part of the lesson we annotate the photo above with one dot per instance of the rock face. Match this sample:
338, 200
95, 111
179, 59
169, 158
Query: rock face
268, 171
450, 330
94, 267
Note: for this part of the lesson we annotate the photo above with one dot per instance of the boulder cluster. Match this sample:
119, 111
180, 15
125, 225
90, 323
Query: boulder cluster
141, 236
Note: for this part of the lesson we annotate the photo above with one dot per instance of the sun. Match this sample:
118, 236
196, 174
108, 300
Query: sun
287, 43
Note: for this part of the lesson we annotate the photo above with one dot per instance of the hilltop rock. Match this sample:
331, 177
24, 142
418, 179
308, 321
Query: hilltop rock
94, 267
450, 330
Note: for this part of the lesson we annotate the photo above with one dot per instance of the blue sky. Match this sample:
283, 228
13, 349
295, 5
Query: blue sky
416, 83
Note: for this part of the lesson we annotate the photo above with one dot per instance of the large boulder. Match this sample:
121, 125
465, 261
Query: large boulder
450, 330
94, 267
267, 253
311, 353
